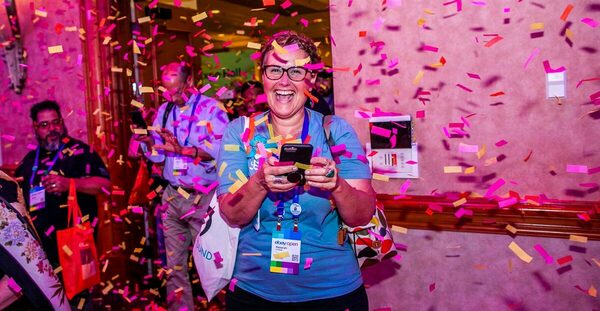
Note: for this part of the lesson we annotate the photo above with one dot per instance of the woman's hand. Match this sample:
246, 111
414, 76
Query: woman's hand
272, 178
323, 174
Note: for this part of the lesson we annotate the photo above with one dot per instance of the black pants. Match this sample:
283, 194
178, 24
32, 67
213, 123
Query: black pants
242, 300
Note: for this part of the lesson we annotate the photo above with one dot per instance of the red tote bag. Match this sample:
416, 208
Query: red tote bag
77, 250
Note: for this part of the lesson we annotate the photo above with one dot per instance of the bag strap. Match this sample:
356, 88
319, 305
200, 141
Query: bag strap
73, 206
168, 109
327, 128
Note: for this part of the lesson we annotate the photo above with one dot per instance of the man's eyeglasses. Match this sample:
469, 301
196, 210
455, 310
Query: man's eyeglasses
274, 72
46, 124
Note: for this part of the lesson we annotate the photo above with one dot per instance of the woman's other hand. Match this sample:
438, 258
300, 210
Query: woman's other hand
322, 174
271, 176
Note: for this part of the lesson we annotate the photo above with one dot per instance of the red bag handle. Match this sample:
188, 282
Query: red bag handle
73, 206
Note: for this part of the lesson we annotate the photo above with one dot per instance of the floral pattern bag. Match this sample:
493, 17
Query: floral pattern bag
373, 242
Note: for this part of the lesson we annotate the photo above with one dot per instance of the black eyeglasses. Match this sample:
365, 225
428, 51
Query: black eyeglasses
46, 124
274, 72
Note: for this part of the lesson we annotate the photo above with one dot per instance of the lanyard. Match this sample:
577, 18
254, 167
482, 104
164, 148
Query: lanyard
37, 162
295, 209
187, 139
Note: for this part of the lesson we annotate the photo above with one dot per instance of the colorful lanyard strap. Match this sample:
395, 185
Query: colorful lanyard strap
37, 162
187, 139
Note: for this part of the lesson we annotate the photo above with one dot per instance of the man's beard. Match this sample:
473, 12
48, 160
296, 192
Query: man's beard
50, 142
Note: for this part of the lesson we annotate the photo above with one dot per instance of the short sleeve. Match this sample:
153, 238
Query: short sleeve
353, 163
232, 156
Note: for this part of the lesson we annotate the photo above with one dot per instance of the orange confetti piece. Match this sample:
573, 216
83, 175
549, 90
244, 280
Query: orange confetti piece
566, 12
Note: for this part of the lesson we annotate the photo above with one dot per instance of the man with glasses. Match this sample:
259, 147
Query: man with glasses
45, 172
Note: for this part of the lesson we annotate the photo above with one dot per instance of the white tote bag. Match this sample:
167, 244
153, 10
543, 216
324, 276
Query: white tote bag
214, 252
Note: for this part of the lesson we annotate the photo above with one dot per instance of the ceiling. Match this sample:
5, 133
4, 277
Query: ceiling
230, 21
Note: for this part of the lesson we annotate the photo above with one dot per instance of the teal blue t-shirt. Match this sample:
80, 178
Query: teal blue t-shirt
334, 270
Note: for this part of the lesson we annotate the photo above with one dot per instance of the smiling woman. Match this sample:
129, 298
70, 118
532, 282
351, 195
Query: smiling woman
292, 225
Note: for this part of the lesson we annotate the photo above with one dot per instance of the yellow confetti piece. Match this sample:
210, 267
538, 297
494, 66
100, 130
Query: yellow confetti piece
198, 17
532, 202
261, 120
452, 169
278, 49
578, 238
80, 304
537, 26
421, 21
490, 161
481, 152
116, 69
459, 202
58, 270
240, 175
41, 13
236, 186
153, 128
67, 250
428, 11
183, 193
144, 19
136, 48
520, 252
399, 229
569, 33
301, 62
596, 261
252, 254
208, 144
253, 45
222, 168
107, 289
136, 104
302, 166
418, 77
229, 147
55, 49
140, 131
71, 29
512, 229
146, 89
470, 170
381, 177
281, 255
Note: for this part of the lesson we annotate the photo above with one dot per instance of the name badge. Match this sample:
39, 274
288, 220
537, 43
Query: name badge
37, 198
285, 252
180, 166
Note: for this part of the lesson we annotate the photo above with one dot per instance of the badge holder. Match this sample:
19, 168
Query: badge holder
285, 244
37, 198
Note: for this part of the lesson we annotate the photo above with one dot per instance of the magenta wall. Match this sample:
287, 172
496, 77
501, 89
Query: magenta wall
556, 134
58, 76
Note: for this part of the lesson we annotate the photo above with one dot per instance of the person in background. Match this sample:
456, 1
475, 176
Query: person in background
188, 144
45, 173
324, 87
249, 92
310, 269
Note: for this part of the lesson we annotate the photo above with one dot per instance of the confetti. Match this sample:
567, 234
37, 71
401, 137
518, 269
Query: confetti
566, 12
578, 238
55, 49
520, 252
198, 17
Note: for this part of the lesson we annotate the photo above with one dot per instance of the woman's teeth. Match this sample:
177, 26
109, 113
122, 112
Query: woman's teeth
284, 96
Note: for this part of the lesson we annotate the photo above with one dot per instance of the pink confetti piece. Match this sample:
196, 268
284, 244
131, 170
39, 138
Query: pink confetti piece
544, 254
13, 286
218, 260
362, 159
501, 143
507, 202
286, 4
458, 4
493, 41
338, 149
589, 185
464, 87
205, 88
49, 231
380, 131
468, 148
274, 20
473, 76
137, 210
431, 287
463, 212
584, 217
499, 183
590, 22
221, 91
429, 48
308, 263
533, 54
7, 137
420, 114
405, 186
549, 69
232, 284
594, 170
304, 22
571, 168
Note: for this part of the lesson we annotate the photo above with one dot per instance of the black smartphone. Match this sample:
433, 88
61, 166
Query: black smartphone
138, 119
297, 153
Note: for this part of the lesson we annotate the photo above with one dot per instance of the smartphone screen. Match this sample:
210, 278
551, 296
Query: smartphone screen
297, 153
